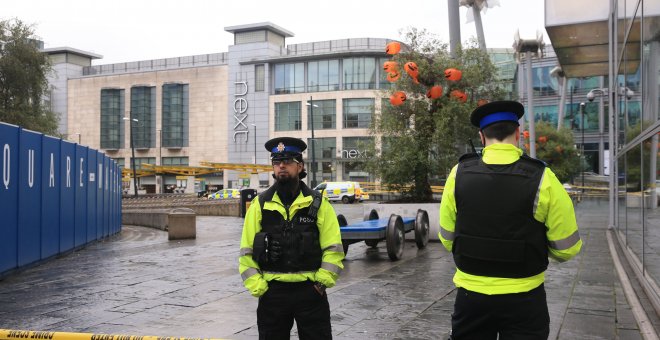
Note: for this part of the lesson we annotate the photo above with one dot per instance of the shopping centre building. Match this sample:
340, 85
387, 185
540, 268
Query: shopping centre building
221, 108
619, 44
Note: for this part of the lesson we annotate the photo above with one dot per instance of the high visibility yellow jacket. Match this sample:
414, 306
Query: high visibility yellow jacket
255, 280
554, 209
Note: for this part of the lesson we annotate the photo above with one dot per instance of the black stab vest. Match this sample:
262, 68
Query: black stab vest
298, 237
496, 234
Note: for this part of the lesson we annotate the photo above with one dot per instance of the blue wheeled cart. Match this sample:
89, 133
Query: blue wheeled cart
393, 229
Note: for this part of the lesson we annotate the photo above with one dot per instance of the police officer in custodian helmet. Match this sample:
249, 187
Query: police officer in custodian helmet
501, 215
291, 249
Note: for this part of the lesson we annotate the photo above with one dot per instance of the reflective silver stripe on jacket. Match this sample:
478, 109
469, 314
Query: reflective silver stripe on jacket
538, 193
246, 251
335, 247
331, 267
248, 273
566, 243
446, 234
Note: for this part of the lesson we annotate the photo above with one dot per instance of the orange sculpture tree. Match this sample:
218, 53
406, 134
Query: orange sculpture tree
418, 139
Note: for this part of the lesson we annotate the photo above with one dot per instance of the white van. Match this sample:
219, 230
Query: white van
347, 192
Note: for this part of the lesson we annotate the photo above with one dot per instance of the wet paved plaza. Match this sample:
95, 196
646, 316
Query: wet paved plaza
140, 283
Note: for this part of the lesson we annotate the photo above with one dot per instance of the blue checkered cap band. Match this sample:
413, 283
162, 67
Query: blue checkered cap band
497, 117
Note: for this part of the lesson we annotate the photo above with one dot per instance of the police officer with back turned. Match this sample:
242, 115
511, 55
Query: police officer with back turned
501, 216
291, 250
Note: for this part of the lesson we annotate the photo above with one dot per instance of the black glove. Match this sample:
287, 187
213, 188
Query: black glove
274, 251
320, 288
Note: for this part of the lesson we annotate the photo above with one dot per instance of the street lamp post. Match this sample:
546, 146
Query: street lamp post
612, 139
311, 116
131, 120
160, 159
584, 158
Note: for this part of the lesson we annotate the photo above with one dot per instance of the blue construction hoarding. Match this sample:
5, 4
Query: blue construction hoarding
55, 196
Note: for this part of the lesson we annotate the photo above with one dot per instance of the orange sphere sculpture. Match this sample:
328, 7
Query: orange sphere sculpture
398, 98
459, 95
453, 74
434, 92
412, 70
393, 48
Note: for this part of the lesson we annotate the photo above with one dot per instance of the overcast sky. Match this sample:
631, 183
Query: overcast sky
132, 30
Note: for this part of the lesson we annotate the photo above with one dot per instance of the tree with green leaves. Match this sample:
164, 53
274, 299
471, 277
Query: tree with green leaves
23, 79
422, 137
556, 148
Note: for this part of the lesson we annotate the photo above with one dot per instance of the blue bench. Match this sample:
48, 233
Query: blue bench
393, 229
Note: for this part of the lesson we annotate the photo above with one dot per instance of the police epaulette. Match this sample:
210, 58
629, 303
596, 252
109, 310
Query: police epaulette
468, 156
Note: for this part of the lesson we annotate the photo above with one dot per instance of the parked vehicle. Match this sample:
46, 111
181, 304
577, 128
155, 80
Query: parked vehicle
346, 192
225, 193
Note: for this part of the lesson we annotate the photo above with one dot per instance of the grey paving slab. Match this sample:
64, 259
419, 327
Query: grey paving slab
138, 282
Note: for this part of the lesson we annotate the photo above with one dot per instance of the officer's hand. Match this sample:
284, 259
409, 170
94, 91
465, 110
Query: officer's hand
274, 251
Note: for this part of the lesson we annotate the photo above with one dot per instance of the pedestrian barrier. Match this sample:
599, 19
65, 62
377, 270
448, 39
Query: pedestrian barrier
10, 334
180, 223
55, 196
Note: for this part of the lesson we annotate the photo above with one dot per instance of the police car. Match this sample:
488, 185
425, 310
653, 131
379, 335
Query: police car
224, 194
346, 192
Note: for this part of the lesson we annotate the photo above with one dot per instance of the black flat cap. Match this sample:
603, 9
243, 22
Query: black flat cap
285, 147
493, 112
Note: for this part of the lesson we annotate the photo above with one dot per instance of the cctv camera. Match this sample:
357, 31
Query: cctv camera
591, 96
629, 93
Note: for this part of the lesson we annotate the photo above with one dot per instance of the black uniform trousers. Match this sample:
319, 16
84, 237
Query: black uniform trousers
286, 301
513, 316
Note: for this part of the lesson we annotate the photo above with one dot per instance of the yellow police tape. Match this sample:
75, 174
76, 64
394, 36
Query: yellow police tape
7, 334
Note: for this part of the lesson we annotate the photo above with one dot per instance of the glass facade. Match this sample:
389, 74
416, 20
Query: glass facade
358, 113
359, 73
287, 116
325, 115
289, 78
637, 214
323, 75
112, 123
324, 158
143, 108
142, 160
174, 161
175, 116
352, 156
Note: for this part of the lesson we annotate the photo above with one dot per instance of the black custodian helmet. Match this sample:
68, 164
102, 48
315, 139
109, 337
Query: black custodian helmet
493, 112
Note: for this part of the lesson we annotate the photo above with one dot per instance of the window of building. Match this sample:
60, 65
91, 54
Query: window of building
359, 73
543, 83
325, 115
175, 116
112, 127
143, 108
324, 148
259, 78
174, 161
353, 155
358, 113
289, 78
287, 116
142, 160
120, 162
355, 147
323, 75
